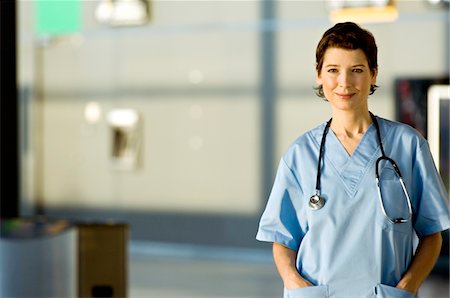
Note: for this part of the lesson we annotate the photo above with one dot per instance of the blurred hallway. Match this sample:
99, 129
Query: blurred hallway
160, 270
175, 125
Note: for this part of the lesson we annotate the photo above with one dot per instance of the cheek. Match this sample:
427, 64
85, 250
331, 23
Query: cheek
364, 82
328, 81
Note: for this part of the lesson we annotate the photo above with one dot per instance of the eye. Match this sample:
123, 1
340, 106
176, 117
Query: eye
332, 70
357, 70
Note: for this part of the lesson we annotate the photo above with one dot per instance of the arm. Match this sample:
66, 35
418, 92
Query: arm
285, 261
423, 262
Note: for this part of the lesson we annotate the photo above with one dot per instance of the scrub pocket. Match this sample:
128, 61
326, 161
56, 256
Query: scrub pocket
395, 201
308, 292
384, 291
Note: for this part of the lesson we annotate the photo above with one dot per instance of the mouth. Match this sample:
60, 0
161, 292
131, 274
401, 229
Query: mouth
345, 95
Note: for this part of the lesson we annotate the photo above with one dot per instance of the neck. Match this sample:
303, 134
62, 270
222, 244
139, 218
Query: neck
350, 123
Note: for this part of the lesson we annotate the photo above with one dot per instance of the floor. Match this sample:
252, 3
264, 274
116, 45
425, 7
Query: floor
167, 270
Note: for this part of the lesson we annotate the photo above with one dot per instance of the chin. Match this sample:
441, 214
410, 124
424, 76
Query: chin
346, 106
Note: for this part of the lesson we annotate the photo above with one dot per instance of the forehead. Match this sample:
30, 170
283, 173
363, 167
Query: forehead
338, 56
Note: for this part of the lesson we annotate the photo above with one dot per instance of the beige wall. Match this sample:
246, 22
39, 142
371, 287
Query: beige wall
150, 69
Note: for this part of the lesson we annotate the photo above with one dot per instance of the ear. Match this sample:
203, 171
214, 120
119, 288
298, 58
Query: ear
373, 80
319, 80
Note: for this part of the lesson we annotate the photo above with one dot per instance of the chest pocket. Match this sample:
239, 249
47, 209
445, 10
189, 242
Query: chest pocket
396, 239
394, 199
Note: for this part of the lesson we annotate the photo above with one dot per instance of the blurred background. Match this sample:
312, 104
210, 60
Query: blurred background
170, 117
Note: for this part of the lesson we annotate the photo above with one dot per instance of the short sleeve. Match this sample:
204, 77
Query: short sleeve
429, 195
279, 222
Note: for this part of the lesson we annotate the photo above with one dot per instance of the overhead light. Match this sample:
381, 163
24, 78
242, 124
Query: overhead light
373, 11
123, 12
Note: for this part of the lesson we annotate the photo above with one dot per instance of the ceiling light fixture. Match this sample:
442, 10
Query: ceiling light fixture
372, 11
123, 12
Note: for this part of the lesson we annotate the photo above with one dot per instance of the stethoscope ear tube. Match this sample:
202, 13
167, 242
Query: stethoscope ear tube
408, 201
393, 163
397, 171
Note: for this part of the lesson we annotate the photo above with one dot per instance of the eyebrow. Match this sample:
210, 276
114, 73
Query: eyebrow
336, 65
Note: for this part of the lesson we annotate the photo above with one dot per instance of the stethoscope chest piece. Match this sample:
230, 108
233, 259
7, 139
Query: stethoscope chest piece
316, 202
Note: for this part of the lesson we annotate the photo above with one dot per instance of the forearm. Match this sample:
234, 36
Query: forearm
285, 262
423, 262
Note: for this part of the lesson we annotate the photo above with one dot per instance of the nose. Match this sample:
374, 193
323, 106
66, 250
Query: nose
344, 79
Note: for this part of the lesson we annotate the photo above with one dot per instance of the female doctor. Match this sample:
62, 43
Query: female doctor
350, 195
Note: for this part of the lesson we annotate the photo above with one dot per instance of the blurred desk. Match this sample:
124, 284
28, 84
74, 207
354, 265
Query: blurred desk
58, 258
38, 258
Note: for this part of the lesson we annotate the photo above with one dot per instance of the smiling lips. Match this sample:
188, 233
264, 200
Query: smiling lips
345, 95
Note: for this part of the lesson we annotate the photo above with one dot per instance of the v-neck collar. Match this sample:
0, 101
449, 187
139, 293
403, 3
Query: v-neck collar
351, 168
367, 144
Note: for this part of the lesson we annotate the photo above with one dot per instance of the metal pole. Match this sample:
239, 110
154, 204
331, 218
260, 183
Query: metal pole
268, 94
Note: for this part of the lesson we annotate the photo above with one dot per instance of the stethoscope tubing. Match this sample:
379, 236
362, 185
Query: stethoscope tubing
316, 201
322, 148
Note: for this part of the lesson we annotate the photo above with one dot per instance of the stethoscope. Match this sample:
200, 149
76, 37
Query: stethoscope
317, 201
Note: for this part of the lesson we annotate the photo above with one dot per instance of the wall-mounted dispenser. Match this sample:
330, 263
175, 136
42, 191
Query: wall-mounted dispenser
126, 138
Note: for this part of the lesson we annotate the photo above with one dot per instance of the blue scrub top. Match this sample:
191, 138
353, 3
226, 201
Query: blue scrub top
349, 248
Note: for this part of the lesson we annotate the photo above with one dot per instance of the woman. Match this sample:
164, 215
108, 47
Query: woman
335, 233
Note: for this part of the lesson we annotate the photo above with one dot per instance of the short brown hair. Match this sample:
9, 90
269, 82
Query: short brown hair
347, 36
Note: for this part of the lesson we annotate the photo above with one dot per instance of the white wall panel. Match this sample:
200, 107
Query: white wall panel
219, 174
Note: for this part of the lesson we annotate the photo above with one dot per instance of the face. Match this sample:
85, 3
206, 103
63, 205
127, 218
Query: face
346, 79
